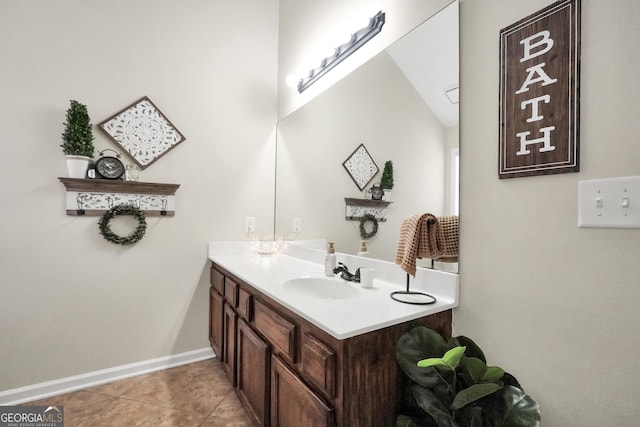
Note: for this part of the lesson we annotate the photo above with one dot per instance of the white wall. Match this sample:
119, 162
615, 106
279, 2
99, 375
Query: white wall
73, 302
554, 304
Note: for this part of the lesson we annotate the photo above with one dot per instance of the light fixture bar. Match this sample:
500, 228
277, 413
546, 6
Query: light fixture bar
358, 39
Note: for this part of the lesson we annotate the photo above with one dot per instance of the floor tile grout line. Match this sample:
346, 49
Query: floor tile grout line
198, 372
216, 407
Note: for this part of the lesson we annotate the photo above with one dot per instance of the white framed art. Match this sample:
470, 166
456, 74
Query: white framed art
142, 131
361, 167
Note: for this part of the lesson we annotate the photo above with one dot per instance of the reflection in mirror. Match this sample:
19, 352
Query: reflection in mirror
397, 107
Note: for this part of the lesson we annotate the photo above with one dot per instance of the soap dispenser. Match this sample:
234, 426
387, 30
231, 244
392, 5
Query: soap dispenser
330, 260
363, 248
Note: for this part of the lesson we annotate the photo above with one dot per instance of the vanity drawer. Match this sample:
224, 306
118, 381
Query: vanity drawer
280, 332
217, 280
231, 292
319, 364
245, 304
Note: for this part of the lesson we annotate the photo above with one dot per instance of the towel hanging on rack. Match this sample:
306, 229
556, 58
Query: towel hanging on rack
450, 228
421, 236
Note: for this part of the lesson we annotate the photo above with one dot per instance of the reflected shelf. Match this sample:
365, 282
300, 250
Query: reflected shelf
356, 209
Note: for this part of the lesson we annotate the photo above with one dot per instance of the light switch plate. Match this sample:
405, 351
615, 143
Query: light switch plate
609, 202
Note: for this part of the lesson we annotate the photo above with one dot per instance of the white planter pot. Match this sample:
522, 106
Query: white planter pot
77, 166
387, 195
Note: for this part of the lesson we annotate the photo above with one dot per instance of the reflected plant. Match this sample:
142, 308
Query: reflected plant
386, 182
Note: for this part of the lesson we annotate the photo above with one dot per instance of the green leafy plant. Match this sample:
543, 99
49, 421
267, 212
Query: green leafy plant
450, 385
77, 138
386, 182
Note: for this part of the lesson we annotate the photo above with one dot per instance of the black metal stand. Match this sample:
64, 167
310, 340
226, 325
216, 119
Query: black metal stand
412, 297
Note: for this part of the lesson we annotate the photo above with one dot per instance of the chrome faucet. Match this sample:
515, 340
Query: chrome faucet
345, 274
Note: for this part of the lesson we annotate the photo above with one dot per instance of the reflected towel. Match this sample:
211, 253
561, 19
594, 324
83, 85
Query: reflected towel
449, 225
420, 237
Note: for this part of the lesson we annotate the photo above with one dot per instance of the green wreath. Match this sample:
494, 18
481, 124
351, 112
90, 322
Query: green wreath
135, 236
368, 218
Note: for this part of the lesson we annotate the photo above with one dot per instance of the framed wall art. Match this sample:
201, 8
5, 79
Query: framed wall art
540, 93
142, 131
361, 167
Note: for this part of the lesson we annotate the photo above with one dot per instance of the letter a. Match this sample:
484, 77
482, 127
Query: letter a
542, 77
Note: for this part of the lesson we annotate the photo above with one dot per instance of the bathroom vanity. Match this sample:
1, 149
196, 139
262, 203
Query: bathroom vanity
298, 359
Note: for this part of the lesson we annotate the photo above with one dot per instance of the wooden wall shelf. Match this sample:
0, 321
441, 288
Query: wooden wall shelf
355, 208
96, 196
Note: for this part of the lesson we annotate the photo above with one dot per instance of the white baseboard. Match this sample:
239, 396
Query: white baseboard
40, 391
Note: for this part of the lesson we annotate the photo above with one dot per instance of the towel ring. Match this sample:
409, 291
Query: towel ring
397, 296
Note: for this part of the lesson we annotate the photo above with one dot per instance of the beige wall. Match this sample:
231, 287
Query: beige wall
71, 301
554, 304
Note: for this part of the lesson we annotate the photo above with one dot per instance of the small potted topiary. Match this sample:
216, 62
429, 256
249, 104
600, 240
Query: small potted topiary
77, 140
386, 182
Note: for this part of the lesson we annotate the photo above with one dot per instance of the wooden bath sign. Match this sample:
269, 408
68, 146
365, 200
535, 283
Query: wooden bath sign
539, 93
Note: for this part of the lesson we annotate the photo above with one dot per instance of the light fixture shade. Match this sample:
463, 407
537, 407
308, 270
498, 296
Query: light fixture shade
358, 39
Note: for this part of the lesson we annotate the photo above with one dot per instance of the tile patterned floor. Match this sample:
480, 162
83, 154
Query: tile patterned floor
194, 395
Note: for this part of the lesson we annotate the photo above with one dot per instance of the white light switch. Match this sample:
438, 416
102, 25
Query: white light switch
609, 203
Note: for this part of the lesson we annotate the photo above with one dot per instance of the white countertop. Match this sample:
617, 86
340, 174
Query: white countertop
370, 309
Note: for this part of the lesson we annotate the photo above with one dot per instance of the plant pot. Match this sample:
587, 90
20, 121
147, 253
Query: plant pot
77, 166
387, 195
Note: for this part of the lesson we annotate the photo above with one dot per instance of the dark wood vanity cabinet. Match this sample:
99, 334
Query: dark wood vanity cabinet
289, 373
230, 328
254, 356
216, 321
293, 403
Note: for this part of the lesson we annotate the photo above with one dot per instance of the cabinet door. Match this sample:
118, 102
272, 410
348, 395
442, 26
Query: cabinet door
319, 365
229, 349
280, 332
231, 292
293, 404
216, 316
253, 374
217, 280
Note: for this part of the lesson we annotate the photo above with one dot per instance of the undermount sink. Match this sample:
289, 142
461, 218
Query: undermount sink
320, 287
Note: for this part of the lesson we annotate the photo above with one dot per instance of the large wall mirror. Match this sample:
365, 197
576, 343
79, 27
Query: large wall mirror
402, 106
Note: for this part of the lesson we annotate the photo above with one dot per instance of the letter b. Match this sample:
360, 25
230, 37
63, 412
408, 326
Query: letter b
528, 45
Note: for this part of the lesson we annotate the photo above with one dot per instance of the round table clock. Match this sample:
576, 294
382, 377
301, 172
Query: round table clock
109, 167
376, 192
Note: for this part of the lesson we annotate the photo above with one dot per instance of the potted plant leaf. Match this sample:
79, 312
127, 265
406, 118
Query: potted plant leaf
448, 384
386, 182
77, 140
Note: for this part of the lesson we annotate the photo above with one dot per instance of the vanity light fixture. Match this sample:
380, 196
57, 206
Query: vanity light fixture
358, 39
